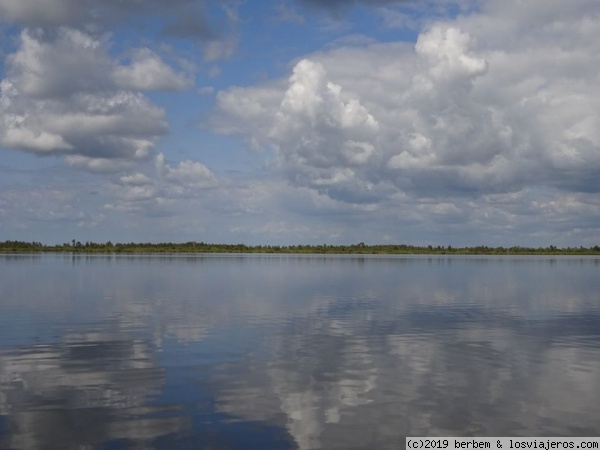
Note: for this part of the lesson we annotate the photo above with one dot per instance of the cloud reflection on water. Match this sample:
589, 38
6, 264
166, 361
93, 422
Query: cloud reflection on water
305, 353
89, 390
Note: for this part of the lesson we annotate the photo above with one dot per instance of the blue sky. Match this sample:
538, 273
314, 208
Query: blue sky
460, 122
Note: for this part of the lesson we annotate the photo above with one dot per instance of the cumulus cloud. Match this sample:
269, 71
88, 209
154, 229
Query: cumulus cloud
313, 116
461, 112
63, 94
175, 191
57, 64
66, 61
148, 72
192, 174
136, 179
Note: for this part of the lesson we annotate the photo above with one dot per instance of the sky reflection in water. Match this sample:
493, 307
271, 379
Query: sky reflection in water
286, 352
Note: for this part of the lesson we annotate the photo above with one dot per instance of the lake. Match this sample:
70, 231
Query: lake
294, 352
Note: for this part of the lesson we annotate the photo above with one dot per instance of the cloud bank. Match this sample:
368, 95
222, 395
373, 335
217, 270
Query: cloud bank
453, 113
481, 109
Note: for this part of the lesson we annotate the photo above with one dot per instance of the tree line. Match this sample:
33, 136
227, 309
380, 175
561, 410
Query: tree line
361, 248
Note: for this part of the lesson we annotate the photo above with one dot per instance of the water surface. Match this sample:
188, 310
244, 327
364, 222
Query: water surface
294, 352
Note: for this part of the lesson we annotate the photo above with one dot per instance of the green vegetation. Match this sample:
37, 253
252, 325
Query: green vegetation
360, 248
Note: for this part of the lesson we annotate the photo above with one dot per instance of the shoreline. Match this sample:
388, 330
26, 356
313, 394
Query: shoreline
15, 247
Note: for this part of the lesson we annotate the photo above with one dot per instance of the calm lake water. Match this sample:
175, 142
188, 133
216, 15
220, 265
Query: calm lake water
294, 352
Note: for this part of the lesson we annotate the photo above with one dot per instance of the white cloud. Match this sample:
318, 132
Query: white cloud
462, 112
136, 179
447, 50
18, 136
98, 165
320, 132
191, 174
48, 66
148, 72
64, 95
310, 97
138, 193
167, 190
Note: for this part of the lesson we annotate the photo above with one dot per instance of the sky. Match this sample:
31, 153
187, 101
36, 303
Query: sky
274, 122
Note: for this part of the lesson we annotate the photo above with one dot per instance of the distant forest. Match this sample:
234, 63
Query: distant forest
360, 248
